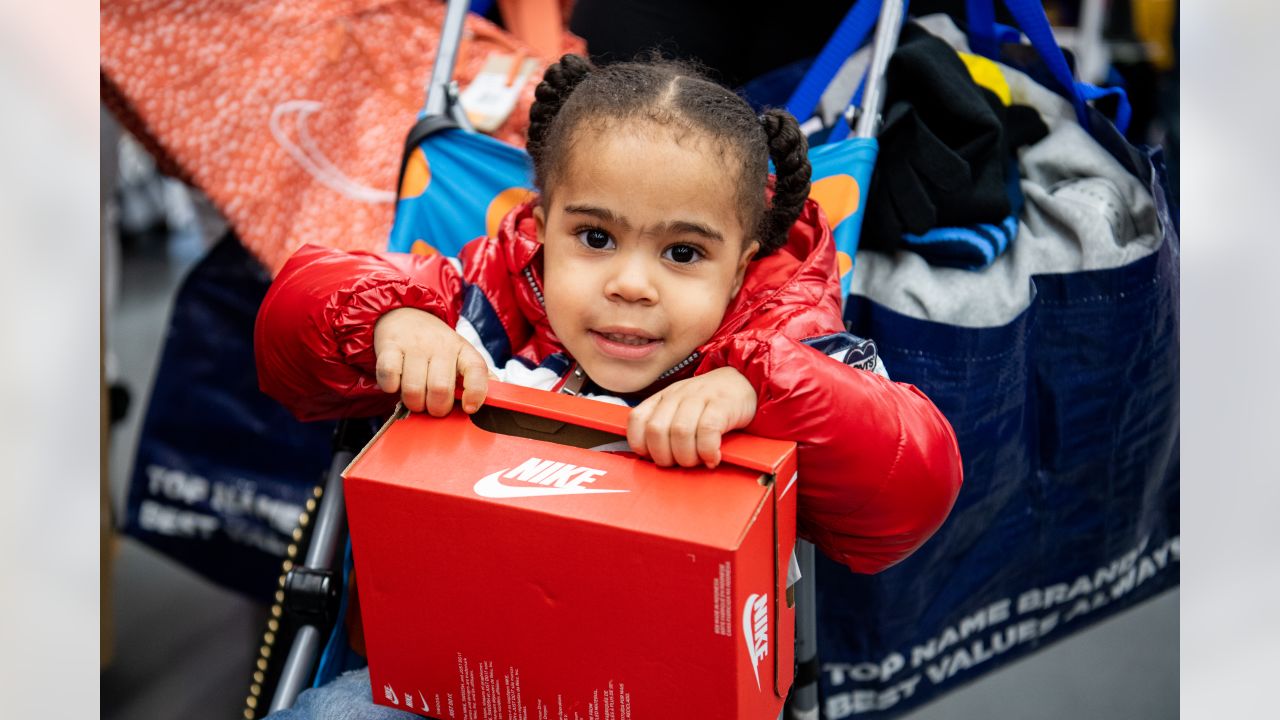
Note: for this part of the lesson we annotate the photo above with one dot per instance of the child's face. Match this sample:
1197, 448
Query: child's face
644, 248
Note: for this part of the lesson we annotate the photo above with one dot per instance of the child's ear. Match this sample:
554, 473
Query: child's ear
743, 262
540, 221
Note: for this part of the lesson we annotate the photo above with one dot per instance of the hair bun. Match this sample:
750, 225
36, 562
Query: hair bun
558, 83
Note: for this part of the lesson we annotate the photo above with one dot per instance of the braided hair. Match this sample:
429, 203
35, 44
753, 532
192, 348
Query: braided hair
574, 94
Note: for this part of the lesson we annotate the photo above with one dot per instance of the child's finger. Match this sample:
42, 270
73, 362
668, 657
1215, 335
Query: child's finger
711, 427
683, 435
636, 421
387, 372
475, 379
657, 431
442, 376
413, 381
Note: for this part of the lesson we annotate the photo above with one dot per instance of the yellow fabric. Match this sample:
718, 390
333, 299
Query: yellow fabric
987, 74
1153, 24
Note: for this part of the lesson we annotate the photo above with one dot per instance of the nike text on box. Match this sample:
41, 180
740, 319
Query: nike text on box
508, 571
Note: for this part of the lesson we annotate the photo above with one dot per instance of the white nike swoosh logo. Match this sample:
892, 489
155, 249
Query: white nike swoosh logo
748, 635
491, 487
307, 153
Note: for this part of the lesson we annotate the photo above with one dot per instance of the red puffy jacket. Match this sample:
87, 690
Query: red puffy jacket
879, 467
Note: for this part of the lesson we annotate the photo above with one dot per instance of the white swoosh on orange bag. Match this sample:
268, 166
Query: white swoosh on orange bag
307, 154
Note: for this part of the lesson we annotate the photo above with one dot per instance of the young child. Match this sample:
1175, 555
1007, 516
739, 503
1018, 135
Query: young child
659, 267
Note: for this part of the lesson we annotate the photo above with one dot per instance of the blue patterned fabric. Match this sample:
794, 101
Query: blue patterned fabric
456, 187
976, 246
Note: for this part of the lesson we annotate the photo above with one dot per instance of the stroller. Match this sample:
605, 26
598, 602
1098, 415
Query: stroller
304, 642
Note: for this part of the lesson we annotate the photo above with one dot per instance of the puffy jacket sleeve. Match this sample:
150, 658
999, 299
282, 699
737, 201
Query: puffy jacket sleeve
313, 340
879, 467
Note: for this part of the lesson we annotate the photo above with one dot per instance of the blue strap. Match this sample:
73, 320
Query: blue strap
985, 34
848, 37
1007, 34
985, 37
1123, 111
982, 27
1030, 16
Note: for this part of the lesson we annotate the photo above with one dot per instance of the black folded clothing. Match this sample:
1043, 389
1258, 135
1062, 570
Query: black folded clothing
943, 146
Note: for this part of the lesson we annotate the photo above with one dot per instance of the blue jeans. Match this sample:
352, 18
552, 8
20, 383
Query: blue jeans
348, 697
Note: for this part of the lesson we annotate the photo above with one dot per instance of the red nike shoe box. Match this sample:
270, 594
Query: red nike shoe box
508, 572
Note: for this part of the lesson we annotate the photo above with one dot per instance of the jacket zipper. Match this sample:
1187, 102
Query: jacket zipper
533, 284
681, 365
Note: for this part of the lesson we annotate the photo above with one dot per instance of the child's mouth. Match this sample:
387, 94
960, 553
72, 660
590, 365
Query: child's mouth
627, 339
624, 345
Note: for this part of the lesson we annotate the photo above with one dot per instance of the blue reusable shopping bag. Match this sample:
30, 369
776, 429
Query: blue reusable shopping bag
1067, 420
222, 471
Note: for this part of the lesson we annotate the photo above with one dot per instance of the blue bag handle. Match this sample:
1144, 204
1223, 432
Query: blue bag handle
848, 37
982, 27
850, 34
1123, 111
842, 129
985, 35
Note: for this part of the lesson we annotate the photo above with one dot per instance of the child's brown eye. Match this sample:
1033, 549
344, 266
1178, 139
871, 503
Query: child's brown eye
683, 254
595, 238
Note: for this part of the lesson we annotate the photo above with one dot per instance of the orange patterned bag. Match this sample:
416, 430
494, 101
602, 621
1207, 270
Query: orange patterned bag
291, 115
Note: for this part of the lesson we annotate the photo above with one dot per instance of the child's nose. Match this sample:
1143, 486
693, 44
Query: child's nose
631, 280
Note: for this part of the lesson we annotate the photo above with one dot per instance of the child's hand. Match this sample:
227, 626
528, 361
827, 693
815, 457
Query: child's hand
682, 425
421, 357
